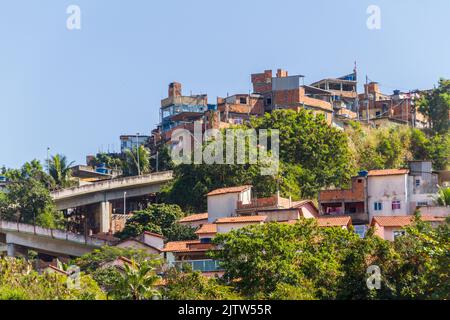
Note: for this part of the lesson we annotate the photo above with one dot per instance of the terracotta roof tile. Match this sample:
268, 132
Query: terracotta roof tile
401, 221
178, 245
387, 172
241, 219
187, 246
334, 221
195, 217
207, 229
229, 190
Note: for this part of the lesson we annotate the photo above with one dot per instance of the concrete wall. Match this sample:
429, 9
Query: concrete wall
225, 205
154, 241
435, 211
47, 244
386, 189
280, 215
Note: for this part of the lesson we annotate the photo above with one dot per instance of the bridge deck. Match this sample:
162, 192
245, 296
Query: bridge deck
114, 184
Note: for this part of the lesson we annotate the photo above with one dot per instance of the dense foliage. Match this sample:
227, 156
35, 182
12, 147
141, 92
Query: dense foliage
312, 155
435, 105
393, 147
161, 219
18, 281
27, 197
307, 262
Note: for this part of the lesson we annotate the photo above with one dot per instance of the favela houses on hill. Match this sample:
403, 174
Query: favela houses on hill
325, 179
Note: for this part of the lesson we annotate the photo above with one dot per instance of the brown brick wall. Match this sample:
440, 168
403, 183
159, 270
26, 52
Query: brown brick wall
356, 193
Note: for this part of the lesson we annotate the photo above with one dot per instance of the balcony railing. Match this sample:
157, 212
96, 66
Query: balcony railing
198, 265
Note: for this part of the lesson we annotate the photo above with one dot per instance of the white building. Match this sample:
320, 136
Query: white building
223, 202
387, 193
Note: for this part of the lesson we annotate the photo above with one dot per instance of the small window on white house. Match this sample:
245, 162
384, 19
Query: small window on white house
417, 183
378, 206
399, 233
422, 204
396, 205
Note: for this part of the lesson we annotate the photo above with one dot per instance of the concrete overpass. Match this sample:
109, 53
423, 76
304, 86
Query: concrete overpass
50, 241
103, 192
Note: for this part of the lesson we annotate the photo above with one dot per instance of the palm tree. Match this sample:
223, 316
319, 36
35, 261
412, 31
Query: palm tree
135, 164
137, 281
443, 197
59, 170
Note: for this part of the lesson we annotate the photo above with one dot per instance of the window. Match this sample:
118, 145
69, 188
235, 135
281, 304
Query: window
243, 100
396, 205
417, 183
360, 230
268, 101
422, 204
359, 181
205, 240
399, 233
378, 206
378, 114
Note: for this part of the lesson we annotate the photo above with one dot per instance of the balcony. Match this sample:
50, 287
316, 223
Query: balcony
198, 265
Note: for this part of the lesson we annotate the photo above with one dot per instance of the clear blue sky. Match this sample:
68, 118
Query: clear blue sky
76, 91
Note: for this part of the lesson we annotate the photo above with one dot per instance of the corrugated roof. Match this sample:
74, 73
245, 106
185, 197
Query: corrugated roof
229, 190
241, 219
387, 172
195, 217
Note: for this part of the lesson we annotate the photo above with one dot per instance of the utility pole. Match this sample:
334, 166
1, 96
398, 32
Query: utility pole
48, 160
137, 152
157, 161
367, 98
125, 202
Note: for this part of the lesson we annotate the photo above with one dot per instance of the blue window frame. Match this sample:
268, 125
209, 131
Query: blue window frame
378, 206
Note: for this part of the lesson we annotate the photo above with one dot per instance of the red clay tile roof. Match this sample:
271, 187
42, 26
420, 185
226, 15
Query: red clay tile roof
195, 217
241, 219
187, 246
401, 221
334, 221
154, 234
387, 172
229, 190
207, 229
178, 245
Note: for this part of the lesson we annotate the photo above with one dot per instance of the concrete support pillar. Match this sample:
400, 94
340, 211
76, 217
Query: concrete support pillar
11, 250
105, 216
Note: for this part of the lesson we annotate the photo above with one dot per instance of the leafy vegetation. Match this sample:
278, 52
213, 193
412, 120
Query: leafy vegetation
436, 106
18, 281
307, 262
27, 197
312, 155
189, 285
59, 170
161, 219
